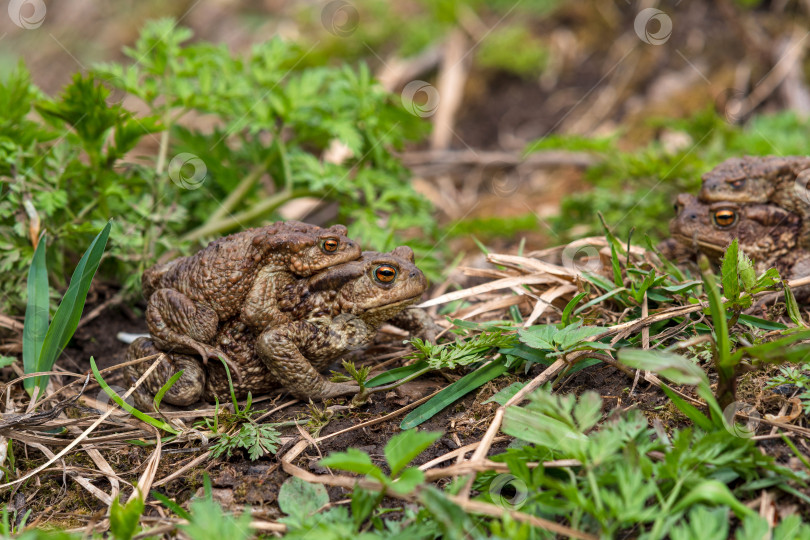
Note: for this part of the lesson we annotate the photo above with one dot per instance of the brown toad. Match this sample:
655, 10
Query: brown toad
782, 181
188, 297
766, 233
327, 315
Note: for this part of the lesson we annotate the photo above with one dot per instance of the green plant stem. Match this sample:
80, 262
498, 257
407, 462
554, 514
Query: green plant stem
365, 392
239, 193
235, 220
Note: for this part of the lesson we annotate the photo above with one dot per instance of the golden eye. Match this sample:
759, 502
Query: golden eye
724, 218
737, 184
385, 273
330, 245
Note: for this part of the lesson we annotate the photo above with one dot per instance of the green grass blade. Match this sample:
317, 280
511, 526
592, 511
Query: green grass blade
67, 315
165, 388
126, 406
36, 314
453, 392
718, 313
393, 375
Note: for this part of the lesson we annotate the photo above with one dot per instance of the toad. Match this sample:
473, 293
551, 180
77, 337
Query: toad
188, 297
782, 181
768, 234
328, 314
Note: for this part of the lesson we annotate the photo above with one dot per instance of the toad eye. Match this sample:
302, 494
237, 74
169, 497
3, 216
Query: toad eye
385, 273
330, 245
724, 218
738, 183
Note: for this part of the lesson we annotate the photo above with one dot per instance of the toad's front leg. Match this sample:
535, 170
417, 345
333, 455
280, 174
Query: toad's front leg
286, 351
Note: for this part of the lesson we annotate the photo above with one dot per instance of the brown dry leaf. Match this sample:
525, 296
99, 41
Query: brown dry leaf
795, 412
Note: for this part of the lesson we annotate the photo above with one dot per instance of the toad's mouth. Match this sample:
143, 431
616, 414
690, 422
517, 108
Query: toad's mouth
694, 241
390, 305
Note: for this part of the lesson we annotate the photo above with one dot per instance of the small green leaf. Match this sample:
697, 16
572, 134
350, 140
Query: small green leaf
124, 518
731, 284
404, 447
408, 480
300, 499
539, 337
747, 274
353, 460
672, 366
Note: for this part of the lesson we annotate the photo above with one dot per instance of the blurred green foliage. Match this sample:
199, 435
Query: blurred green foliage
383, 29
169, 183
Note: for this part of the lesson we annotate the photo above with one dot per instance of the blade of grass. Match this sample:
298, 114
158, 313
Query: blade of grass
453, 392
126, 406
67, 315
36, 314
396, 374
165, 388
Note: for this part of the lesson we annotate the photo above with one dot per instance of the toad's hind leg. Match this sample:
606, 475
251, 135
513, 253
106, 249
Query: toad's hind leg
180, 324
187, 390
279, 349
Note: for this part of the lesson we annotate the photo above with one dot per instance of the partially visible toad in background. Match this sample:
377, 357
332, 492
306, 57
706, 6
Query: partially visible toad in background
768, 234
777, 180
